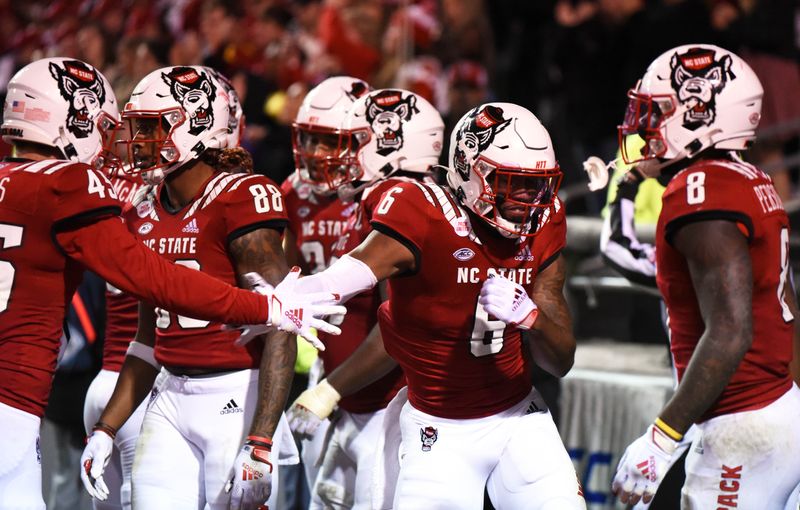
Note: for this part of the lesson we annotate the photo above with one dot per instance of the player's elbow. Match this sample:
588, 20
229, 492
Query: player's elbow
565, 363
562, 361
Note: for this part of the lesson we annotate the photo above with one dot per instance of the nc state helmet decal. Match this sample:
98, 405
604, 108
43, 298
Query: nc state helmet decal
195, 92
476, 135
387, 111
80, 85
697, 76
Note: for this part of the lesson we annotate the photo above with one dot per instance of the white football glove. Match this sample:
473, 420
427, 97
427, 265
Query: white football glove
643, 466
251, 482
311, 407
508, 301
296, 312
94, 459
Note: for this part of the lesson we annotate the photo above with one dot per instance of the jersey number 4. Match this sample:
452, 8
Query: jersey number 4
12, 237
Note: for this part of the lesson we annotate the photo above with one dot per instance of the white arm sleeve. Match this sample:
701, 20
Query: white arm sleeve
346, 277
144, 353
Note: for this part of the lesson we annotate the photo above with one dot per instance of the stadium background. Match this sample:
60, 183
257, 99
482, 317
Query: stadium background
569, 61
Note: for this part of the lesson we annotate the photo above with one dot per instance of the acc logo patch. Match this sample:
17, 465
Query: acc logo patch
463, 254
145, 228
303, 211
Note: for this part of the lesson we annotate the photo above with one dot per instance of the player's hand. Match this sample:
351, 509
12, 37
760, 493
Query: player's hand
311, 407
251, 483
296, 312
94, 459
508, 301
643, 466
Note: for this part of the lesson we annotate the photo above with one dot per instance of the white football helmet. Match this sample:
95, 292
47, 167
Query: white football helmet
316, 132
503, 168
180, 111
63, 103
236, 115
691, 98
386, 131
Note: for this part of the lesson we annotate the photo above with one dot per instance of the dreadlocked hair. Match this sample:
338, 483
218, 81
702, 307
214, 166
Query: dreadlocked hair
234, 160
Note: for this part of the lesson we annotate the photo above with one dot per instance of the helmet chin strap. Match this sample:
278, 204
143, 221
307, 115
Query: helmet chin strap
67, 147
348, 192
653, 167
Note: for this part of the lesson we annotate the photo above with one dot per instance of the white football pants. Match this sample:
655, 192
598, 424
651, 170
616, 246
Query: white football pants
311, 450
345, 479
117, 474
516, 454
746, 460
20, 460
192, 432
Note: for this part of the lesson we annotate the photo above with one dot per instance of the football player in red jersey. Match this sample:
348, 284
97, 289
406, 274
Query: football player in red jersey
208, 397
317, 217
59, 214
386, 137
722, 255
122, 315
473, 266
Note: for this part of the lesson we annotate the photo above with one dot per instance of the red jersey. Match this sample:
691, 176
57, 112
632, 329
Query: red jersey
122, 310
317, 222
362, 314
198, 236
325, 229
459, 361
37, 280
743, 194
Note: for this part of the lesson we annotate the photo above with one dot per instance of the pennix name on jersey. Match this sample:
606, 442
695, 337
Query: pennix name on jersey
522, 276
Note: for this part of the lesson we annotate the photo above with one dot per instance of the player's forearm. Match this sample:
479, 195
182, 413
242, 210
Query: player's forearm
552, 345
713, 363
133, 384
293, 255
552, 342
368, 363
109, 250
274, 382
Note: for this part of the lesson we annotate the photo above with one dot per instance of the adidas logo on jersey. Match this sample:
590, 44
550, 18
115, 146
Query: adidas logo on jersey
231, 407
191, 227
525, 254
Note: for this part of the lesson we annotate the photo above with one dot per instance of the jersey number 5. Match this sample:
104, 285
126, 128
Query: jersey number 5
12, 237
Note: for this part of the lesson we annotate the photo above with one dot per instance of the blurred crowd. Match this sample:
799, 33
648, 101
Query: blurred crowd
569, 61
